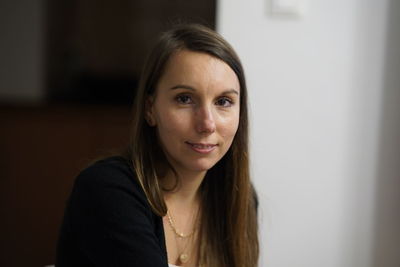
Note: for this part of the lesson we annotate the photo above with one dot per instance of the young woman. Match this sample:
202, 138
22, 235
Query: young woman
181, 194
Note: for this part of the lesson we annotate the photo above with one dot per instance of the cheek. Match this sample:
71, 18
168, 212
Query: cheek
229, 131
171, 124
229, 126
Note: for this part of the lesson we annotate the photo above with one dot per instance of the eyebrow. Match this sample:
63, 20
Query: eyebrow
188, 87
182, 86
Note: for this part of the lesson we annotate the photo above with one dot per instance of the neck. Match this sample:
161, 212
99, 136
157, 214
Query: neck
183, 216
187, 191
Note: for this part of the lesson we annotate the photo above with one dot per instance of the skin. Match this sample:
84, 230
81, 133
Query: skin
195, 109
196, 102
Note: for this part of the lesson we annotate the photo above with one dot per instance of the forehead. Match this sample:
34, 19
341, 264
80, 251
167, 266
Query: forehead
198, 69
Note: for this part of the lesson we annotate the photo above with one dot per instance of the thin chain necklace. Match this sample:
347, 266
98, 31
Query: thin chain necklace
183, 255
179, 234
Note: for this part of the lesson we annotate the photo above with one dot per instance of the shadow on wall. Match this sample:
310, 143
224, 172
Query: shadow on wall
387, 215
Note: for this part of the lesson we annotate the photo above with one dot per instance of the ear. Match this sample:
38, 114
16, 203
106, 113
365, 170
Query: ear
149, 111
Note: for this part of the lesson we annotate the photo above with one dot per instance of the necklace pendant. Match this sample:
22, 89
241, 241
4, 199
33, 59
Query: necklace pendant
183, 257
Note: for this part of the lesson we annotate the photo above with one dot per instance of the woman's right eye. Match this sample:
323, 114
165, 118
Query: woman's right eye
184, 99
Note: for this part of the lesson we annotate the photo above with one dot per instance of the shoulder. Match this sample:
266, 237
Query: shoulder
103, 169
109, 171
109, 220
108, 177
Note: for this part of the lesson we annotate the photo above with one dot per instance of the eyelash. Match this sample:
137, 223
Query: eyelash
227, 99
180, 100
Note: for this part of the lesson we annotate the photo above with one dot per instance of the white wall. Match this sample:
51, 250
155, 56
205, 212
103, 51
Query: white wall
317, 90
21, 50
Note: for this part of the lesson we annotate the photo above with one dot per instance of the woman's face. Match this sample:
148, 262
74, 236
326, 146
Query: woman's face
195, 110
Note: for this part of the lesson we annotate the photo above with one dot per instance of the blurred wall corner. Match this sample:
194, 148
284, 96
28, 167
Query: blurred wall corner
387, 213
22, 51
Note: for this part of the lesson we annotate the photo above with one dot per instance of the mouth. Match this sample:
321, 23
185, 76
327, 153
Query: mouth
202, 148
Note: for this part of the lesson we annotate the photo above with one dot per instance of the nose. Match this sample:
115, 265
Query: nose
205, 121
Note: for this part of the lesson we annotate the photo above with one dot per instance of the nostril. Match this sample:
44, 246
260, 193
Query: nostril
206, 127
205, 120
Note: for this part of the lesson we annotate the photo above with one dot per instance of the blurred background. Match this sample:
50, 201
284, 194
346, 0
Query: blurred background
324, 87
68, 74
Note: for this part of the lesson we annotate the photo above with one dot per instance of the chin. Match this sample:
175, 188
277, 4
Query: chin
202, 166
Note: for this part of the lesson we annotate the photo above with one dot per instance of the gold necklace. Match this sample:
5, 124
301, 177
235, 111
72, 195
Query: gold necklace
183, 256
172, 224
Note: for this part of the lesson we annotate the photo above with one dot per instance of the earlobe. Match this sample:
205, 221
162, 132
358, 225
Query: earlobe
149, 116
150, 121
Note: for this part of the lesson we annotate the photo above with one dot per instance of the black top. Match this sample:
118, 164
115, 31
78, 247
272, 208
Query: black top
108, 221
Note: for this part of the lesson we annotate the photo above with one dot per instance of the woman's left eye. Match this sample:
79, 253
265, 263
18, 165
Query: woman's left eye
224, 102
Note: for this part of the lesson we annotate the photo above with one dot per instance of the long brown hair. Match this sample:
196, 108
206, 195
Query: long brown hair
228, 227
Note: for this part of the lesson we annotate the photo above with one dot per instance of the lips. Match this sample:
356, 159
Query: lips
202, 148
